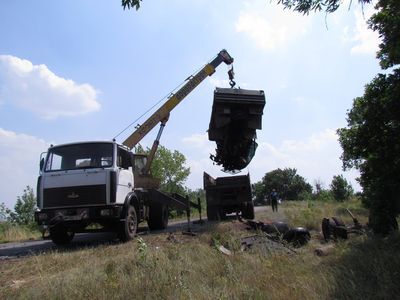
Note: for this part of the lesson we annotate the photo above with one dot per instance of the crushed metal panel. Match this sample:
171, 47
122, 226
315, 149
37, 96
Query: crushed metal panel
235, 117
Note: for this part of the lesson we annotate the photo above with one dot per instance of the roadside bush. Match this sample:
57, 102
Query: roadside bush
340, 188
323, 195
24, 209
10, 232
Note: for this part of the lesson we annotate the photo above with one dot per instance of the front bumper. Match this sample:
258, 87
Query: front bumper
78, 214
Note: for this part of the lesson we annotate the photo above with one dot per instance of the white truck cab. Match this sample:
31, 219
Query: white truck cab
89, 182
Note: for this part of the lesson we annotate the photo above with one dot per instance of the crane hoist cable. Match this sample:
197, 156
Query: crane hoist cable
157, 103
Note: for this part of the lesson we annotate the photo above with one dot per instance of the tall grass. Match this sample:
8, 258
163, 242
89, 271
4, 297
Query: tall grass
309, 214
14, 233
158, 267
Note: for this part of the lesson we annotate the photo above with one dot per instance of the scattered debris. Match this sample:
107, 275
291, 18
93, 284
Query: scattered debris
265, 243
16, 284
278, 231
191, 233
171, 238
324, 250
223, 250
335, 228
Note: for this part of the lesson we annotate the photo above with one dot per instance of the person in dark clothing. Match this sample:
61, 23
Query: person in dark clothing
274, 200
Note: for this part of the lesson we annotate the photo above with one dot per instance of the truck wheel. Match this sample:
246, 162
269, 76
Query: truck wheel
248, 210
127, 230
60, 235
158, 217
213, 213
297, 236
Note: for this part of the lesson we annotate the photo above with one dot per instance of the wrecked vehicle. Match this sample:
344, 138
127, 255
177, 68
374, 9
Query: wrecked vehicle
236, 115
278, 231
225, 195
334, 228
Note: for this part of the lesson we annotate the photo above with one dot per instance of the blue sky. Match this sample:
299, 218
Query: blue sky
83, 70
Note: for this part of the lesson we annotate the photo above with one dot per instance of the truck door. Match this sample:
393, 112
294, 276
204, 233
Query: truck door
125, 174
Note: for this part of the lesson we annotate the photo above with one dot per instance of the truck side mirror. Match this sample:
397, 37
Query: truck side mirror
41, 164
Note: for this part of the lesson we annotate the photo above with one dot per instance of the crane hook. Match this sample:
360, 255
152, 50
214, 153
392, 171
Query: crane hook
231, 75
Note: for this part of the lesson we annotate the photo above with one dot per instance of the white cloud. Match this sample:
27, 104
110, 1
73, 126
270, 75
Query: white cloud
366, 41
39, 90
271, 27
19, 163
216, 82
315, 157
197, 140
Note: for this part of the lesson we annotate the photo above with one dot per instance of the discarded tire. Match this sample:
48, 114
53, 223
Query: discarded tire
275, 228
297, 236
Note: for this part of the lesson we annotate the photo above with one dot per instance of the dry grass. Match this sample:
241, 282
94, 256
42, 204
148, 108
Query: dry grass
15, 233
309, 214
185, 267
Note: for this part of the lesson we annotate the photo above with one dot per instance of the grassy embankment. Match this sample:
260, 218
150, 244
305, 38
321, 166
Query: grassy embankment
185, 267
16, 233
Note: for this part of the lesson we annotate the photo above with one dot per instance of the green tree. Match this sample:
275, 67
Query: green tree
303, 6
4, 212
131, 3
340, 188
306, 6
24, 209
371, 143
288, 184
169, 167
259, 193
387, 23
320, 193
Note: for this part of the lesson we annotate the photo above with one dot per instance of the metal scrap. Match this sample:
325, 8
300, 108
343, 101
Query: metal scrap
236, 114
223, 250
335, 228
280, 231
265, 244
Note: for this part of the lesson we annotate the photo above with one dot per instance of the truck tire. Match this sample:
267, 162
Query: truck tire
248, 210
213, 213
60, 235
128, 227
158, 217
297, 236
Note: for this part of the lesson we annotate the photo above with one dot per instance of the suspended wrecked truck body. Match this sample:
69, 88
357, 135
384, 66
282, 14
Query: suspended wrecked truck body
236, 115
225, 195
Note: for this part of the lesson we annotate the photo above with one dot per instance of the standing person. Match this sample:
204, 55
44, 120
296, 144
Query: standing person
274, 200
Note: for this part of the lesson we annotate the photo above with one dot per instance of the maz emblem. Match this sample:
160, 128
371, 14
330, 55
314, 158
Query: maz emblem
73, 196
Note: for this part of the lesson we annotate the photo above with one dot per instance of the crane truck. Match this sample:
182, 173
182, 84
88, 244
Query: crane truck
105, 182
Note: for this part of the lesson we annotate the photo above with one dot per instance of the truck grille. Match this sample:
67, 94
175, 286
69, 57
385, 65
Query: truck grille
74, 196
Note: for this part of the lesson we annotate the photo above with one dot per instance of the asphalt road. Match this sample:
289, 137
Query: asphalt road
81, 240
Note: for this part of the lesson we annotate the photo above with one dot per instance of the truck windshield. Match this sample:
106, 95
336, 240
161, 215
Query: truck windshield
80, 156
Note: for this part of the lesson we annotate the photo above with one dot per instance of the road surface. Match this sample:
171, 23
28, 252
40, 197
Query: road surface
81, 240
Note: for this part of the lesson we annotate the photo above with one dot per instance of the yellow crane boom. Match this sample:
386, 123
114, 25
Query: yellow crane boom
162, 114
